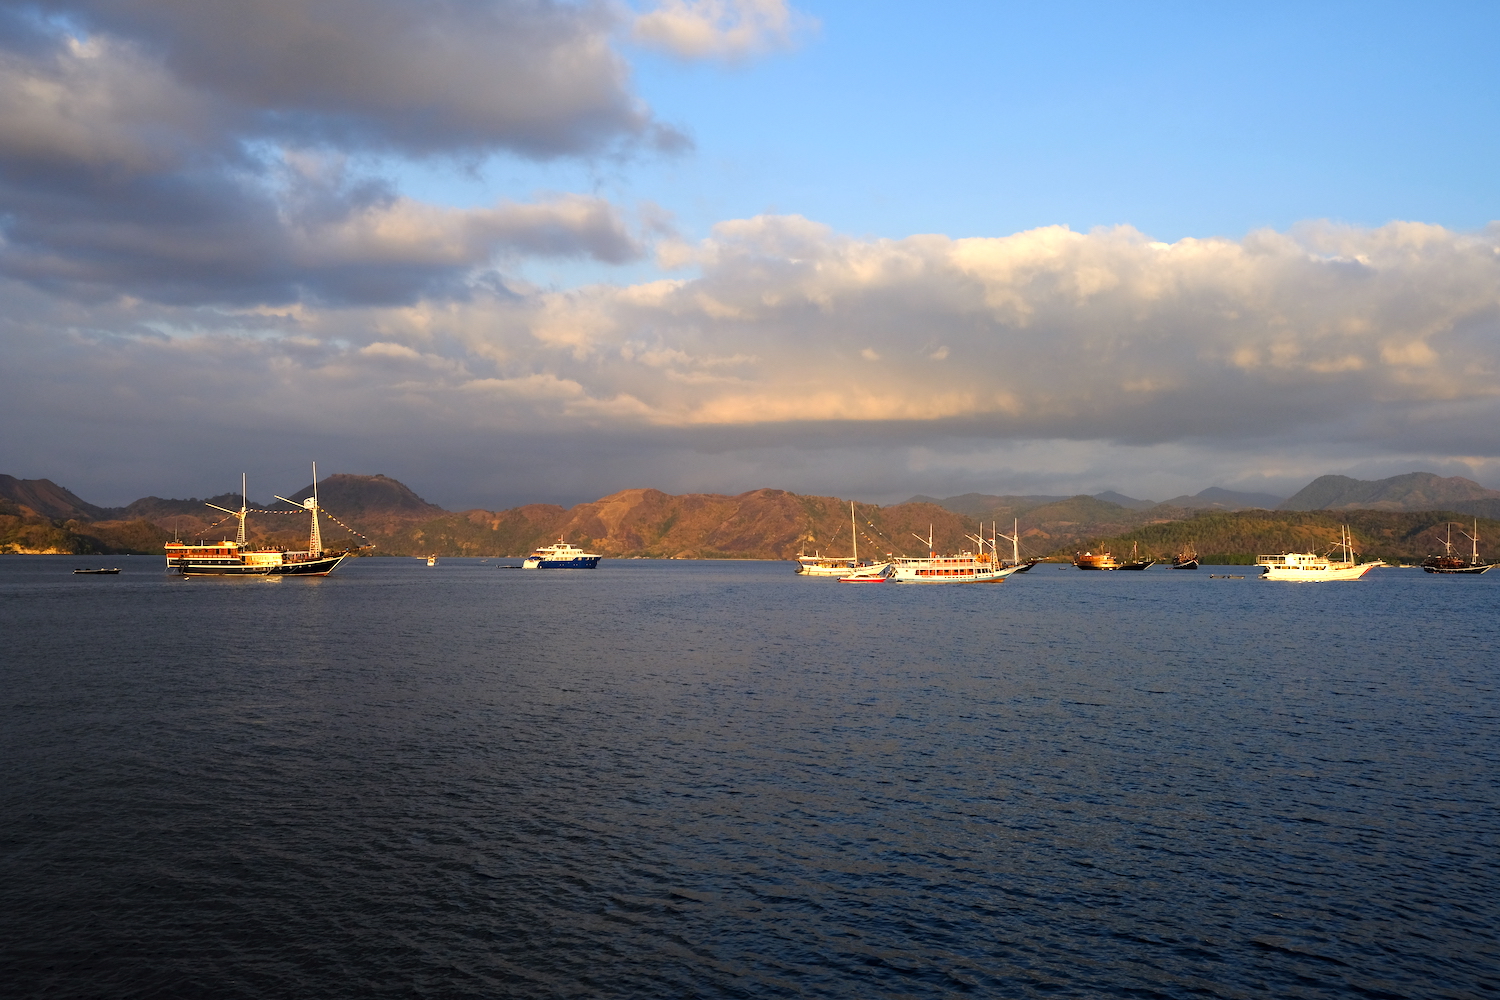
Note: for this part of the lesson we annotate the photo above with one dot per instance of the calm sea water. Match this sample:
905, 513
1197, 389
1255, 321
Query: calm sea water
670, 779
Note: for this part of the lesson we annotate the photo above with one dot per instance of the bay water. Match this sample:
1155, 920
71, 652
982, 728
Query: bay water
718, 779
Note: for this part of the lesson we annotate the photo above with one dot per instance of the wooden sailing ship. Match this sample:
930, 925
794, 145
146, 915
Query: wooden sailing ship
1448, 563
237, 558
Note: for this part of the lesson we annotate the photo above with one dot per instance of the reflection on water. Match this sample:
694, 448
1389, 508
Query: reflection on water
719, 779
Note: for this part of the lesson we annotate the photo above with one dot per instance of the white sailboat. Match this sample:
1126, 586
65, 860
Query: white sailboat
1307, 567
820, 565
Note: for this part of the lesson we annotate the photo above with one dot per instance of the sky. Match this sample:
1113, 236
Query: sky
514, 251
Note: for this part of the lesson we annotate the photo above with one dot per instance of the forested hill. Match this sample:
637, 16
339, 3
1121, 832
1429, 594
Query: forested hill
761, 524
1414, 491
1237, 537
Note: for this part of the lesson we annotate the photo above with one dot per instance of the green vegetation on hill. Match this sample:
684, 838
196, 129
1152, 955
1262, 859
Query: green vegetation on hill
1237, 537
761, 524
20, 534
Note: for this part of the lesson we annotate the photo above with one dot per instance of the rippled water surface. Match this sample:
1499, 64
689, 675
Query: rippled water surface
669, 779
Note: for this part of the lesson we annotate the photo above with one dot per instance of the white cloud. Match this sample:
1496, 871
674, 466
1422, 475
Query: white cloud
720, 29
413, 233
1283, 353
1084, 334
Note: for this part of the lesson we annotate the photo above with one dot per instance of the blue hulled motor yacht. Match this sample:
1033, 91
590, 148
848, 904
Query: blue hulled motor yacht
561, 556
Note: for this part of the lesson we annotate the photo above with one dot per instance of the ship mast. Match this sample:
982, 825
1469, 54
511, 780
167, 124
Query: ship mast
854, 533
1474, 538
1015, 541
930, 553
239, 537
315, 540
315, 543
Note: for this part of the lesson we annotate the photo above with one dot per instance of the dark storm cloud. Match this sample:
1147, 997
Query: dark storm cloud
196, 153
531, 76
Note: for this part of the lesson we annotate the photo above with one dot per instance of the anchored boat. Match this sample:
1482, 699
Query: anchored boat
561, 556
964, 567
1186, 559
1306, 567
236, 558
1016, 562
821, 565
1095, 560
1135, 561
1450, 563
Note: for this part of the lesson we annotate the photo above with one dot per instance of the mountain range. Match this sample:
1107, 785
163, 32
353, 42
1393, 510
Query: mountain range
39, 515
985, 506
1412, 492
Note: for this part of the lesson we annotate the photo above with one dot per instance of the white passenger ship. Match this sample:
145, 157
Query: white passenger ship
964, 567
1306, 567
561, 556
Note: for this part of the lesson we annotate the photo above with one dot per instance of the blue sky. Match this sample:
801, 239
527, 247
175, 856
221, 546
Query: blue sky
981, 119
993, 247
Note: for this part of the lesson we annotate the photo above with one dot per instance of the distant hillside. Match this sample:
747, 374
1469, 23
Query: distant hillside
1479, 508
977, 504
1239, 536
44, 498
1069, 524
372, 504
23, 532
1412, 492
1215, 498
1129, 503
987, 506
761, 524
155, 508
368, 494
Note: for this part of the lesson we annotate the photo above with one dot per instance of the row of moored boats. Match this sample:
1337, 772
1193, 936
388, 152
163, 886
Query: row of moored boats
1311, 567
1341, 562
981, 564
